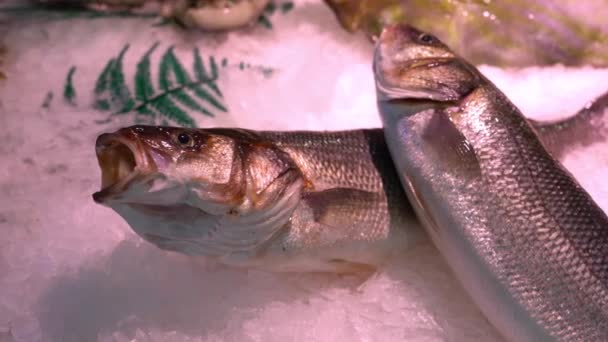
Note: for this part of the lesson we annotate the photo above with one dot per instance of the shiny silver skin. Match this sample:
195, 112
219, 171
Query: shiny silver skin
291, 201
527, 242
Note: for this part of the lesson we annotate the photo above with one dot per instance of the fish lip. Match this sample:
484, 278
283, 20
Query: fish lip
115, 152
430, 62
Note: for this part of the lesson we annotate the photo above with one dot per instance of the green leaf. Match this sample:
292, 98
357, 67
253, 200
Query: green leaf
168, 109
176, 94
121, 96
214, 69
199, 68
286, 7
214, 76
144, 110
171, 65
185, 99
144, 88
270, 8
102, 104
201, 73
103, 80
264, 21
69, 93
202, 94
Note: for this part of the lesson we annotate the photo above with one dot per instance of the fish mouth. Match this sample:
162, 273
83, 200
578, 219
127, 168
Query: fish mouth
121, 161
389, 89
428, 62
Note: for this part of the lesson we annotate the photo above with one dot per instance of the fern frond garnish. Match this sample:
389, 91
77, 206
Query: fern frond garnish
176, 94
143, 80
69, 93
121, 96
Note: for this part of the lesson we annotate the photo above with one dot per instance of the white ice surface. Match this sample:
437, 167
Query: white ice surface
71, 270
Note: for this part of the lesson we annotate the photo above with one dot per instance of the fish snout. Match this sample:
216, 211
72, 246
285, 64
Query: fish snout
398, 33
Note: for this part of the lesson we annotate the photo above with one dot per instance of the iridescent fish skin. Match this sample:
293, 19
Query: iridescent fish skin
527, 242
280, 201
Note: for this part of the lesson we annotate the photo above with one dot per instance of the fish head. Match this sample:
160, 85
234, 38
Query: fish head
155, 165
413, 65
197, 191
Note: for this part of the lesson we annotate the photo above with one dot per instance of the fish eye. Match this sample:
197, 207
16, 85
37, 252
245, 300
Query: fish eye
184, 139
426, 38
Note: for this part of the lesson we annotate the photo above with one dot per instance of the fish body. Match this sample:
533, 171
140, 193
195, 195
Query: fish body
291, 201
527, 242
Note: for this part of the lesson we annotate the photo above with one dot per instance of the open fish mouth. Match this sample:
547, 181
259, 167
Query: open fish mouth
120, 161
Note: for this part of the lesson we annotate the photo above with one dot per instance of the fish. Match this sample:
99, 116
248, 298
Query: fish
277, 201
332, 199
588, 127
526, 241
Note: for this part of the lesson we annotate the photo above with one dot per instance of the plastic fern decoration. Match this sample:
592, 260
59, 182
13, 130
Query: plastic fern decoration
177, 92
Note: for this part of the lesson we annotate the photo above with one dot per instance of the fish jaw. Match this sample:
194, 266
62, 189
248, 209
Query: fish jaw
232, 234
122, 161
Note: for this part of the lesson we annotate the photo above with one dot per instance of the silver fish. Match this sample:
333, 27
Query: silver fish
351, 191
527, 242
293, 201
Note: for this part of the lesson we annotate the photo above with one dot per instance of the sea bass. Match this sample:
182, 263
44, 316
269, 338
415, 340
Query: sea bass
351, 194
293, 201
527, 242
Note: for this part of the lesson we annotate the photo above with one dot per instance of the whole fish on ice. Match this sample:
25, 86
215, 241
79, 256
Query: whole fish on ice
296, 201
351, 214
527, 242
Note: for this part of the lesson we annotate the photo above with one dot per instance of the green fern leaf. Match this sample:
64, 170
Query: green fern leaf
69, 93
214, 77
102, 104
103, 81
170, 65
204, 95
184, 98
201, 73
143, 80
176, 93
121, 95
168, 109
144, 110
199, 68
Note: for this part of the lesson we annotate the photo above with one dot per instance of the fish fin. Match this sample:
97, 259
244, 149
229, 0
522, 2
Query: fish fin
451, 146
340, 207
588, 126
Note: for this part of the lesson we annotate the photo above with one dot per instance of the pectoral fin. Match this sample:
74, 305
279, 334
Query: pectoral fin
451, 146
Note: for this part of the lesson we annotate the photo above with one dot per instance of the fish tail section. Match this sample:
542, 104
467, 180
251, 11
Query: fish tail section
587, 127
